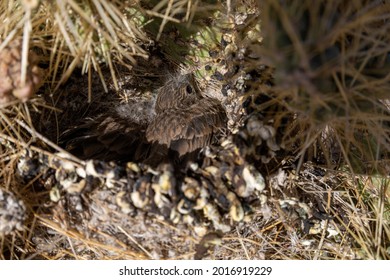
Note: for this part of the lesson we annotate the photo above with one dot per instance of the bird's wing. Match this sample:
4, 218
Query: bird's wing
187, 129
107, 138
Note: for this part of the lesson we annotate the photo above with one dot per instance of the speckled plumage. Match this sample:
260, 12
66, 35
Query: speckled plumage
181, 123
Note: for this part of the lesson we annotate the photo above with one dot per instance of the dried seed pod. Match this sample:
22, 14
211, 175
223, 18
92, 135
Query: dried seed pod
190, 188
30, 165
141, 192
211, 213
123, 200
184, 206
69, 179
12, 212
12, 85
236, 211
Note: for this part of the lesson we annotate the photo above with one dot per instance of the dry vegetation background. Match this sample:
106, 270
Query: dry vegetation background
317, 72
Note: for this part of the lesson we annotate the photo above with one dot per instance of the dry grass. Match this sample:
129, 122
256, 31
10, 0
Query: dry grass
331, 73
72, 34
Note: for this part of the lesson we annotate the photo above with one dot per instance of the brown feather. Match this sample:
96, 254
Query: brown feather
184, 122
186, 129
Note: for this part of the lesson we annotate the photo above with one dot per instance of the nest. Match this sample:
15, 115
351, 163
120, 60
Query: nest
266, 188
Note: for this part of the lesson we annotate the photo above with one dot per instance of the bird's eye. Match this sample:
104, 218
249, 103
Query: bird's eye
189, 89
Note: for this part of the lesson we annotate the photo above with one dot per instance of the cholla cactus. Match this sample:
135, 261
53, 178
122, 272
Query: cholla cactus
332, 61
74, 34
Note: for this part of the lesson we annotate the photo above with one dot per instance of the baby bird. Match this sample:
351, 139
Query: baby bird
180, 124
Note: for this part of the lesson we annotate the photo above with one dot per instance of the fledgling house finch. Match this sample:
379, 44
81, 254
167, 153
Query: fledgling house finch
182, 122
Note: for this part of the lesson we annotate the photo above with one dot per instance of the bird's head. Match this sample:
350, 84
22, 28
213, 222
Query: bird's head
179, 91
